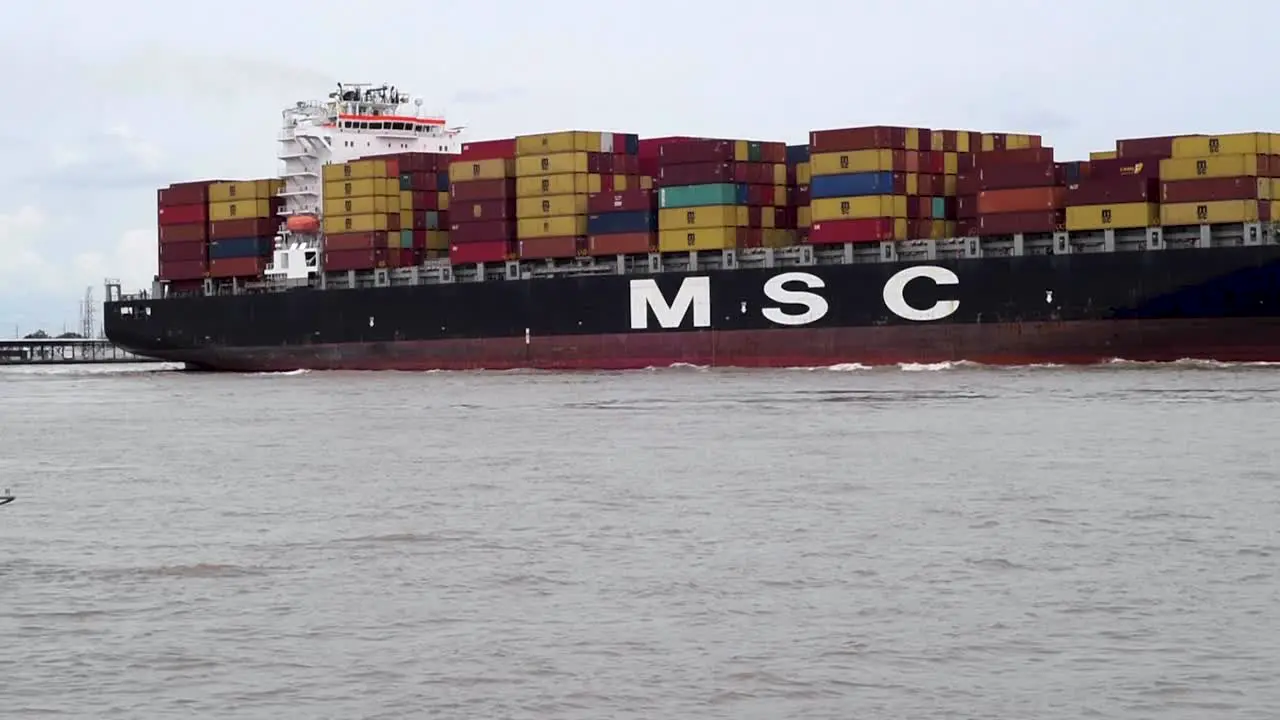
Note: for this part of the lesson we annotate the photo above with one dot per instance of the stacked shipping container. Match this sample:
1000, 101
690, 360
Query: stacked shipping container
1221, 179
555, 175
182, 212
723, 194
424, 204
482, 202
242, 226
361, 205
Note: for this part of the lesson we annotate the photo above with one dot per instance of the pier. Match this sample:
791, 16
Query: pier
65, 351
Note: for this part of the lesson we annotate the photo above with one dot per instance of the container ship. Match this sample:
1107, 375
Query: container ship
390, 242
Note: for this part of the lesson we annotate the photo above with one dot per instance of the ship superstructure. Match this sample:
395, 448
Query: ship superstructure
357, 120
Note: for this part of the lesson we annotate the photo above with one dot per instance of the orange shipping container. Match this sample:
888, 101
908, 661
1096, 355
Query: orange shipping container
1020, 200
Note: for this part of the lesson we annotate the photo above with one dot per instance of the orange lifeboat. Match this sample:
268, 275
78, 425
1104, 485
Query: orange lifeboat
303, 223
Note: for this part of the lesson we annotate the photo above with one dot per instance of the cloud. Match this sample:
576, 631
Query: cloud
113, 159
160, 72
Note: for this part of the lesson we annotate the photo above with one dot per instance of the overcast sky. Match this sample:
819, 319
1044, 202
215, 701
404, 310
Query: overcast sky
108, 101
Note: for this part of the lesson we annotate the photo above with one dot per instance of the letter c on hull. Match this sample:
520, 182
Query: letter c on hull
897, 303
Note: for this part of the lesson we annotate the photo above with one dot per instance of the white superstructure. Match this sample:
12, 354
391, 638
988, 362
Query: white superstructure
357, 120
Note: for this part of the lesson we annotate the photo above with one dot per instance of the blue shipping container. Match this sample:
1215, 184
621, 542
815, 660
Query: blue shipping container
797, 154
1071, 171
622, 222
851, 185
240, 247
442, 181
939, 208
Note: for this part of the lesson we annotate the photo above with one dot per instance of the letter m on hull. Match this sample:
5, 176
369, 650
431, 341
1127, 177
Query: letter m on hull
694, 294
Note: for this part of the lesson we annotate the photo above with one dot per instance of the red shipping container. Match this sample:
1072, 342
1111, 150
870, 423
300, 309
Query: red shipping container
627, 200
188, 193
243, 227
1215, 189
1147, 168
1151, 147
356, 241
967, 206
423, 200
473, 190
702, 151
483, 211
488, 149
191, 232
184, 270
491, 251
183, 214
1111, 190
1020, 200
1012, 223
1004, 177
343, 260
241, 267
859, 138
180, 252
422, 162
402, 257
551, 247
483, 231
838, 232
622, 244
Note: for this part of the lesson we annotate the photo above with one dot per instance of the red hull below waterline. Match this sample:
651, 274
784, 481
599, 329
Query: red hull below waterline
1068, 343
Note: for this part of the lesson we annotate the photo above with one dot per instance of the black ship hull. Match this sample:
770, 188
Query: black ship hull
1215, 304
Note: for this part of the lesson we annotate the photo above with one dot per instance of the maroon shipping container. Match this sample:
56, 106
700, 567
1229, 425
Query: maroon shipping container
967, 206
624, 201
179, 252
1145, 167
921, 229
1000, 158
473, 190
1214, 189
184, 270
551, 247
859, 138
421, 181
356, 241
1111, 190
491, 251
701, 151
484, 231
838, 232
951, 140
243, 227
803, 196
183, 214
488, 149
483, 211
190, 232
188, 193
341, 260
241, 267
1012, 223
403, 257
622, 244
722, 172
1004, 177
1158, 147
421, 162
423, 200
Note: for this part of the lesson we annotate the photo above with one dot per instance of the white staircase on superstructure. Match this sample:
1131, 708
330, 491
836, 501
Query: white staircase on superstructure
358, 120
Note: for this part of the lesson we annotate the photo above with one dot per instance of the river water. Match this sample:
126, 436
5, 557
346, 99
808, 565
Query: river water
923, 542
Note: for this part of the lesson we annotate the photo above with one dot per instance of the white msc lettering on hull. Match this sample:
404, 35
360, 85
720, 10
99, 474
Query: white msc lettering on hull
896, 302
815, 305
694, 293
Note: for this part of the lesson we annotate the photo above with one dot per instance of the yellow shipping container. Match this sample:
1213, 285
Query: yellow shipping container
493, 169
1103, 155
849, 208
359, 170
369, 187
551, 206
803, 173
913, 138
437, 240
703, 217
356, 223
564, 142
1210, 213
721, 238
239, 209
779, 174
804, 216
1198, 146
840, 163
361, 205
1213, 166
563, 184
554, 164
646, 182
776, 238
563, 226
780, 195
442, 198
913, 183
1123, 215
242, 190
951, 163
949, 185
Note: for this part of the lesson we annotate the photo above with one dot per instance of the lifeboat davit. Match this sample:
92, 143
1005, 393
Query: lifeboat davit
303, 223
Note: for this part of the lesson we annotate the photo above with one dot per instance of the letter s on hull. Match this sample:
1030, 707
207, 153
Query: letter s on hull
816, 305
897, 303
